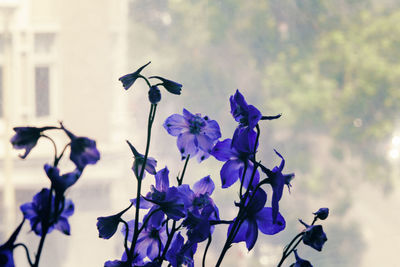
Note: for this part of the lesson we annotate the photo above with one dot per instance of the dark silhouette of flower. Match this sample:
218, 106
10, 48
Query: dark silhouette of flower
151, 163
314, 236
107, 226
154, 95
128, 79
322, 213
37, 212
171, 202
277, 181
83, 150
170, 86
196, 134
248, 117
26, 138
235, 161
257, 217
300, 262
6, 250
61, 182
181, 254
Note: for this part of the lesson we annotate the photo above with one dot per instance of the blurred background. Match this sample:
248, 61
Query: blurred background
330, 67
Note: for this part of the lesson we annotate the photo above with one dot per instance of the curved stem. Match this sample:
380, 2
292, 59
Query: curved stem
26, 250
54, 145
61, 155
126, 239
206, 249
147, 81
287, 252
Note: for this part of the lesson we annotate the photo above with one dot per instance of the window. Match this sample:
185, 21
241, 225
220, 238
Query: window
43, 70
42, 93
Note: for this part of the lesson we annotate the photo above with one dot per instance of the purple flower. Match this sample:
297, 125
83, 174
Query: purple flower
107, 226
26, 138
196, 134
61, 182
198, 223
154, 95
322, 213
235, 162
277, 181
300, 262
314, 236
246, 115
153, 237
6, 250
170, 86
151, 163
128, 79
181, 254
171, 202
83, 150
257, 217
37, 213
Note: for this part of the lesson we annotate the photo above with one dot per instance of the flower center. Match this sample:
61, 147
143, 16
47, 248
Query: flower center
154, 233
196, 123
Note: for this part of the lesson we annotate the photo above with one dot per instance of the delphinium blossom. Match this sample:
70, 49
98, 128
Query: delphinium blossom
257, 217
238, 162
277, 180
27, 138
83, 150
49, 208
196, 134
57, 218
178, 217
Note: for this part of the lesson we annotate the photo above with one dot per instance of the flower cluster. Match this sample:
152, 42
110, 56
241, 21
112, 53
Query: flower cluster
171, 219
49, 208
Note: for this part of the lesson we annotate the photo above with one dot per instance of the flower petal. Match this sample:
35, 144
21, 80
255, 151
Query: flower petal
162, 180
204, 186
222, 151
63, 225
176, 124
187, 144
205, 143
265, 222
212, 130
230, 172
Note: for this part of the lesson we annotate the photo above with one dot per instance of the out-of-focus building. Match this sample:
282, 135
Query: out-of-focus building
60, 60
